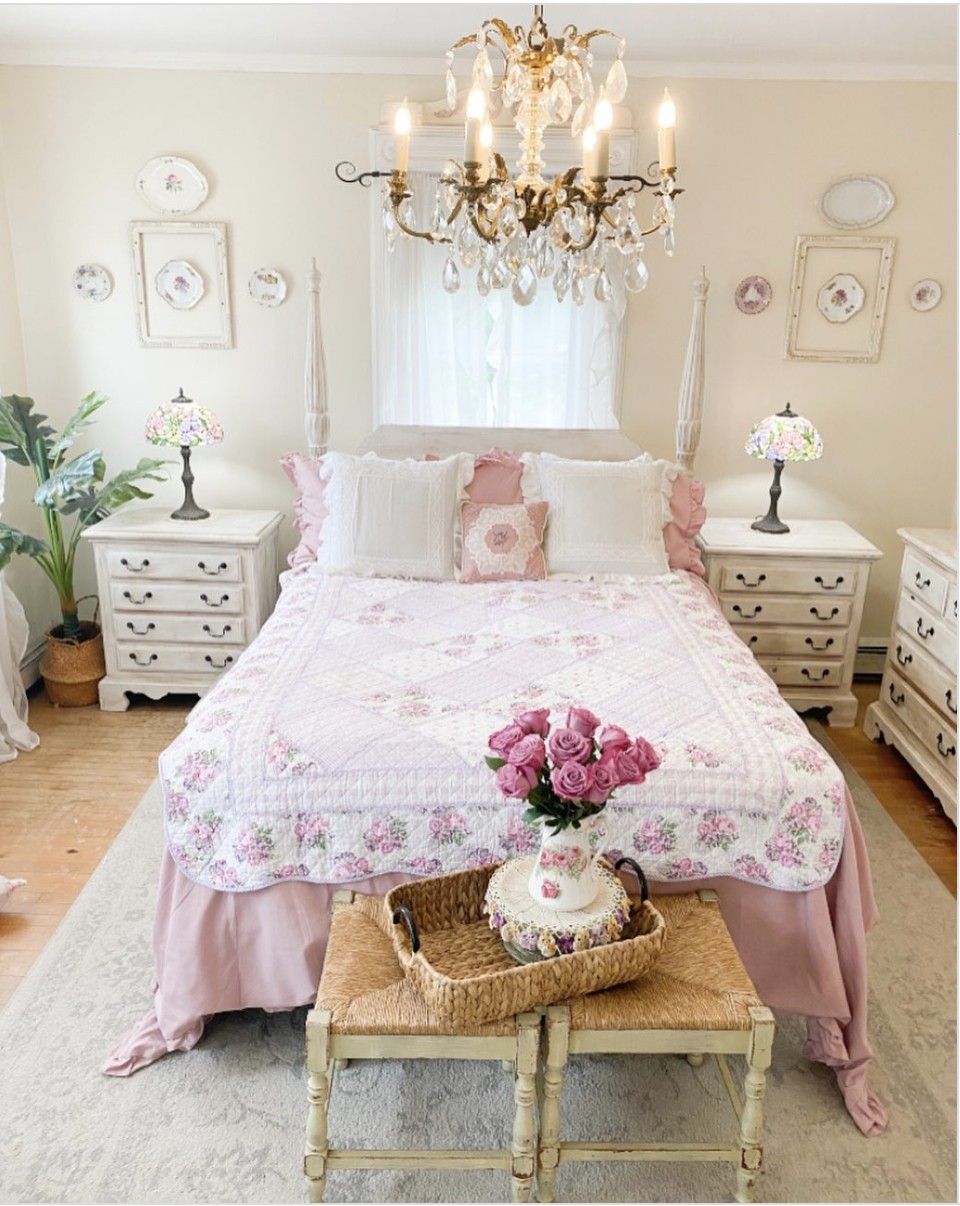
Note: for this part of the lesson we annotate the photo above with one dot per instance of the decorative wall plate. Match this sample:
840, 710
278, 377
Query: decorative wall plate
267, 287
925, 294
171, 185
855, 202
180, 284
840, 298
753, 294
92, 282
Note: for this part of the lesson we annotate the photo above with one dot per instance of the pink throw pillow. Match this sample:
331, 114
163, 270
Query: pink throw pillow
688, 517
502, 542
496, 477
310, 506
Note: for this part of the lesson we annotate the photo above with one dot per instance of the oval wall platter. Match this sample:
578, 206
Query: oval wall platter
267, 287
753, 294
840, 298
855, 202
172, 185
179, 284
925, 294
92, 283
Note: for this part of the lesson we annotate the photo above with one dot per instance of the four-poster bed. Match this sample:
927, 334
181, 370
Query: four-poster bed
347, 746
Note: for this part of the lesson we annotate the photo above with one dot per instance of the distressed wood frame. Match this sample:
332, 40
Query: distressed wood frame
214, 327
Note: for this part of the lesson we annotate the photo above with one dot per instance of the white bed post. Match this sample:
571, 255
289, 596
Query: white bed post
316, 418
690, 404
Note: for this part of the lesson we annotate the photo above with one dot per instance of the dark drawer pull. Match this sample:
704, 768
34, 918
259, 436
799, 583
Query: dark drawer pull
753, 640
752, 616
949, 752
818, 648
922, 583
806, 674
950, 701
835, 611
896, 699
823, 586
202, 566
219, 665
920, 633
223, 599
136, 632
751, 585
217, 635
903, 659
138, 602
151, 658
134, 569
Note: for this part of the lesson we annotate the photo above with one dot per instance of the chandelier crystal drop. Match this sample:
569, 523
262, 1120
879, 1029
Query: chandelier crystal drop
517, 230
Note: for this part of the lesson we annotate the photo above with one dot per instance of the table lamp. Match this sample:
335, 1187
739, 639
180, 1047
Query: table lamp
779, 438
183, 424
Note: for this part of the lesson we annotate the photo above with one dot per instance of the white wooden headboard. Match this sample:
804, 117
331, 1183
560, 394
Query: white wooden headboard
592, 444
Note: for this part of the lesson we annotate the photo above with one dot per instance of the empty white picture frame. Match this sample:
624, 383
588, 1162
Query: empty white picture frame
206, 324
819, 258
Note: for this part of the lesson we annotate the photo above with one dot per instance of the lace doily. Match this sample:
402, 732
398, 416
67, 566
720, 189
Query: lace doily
532, 930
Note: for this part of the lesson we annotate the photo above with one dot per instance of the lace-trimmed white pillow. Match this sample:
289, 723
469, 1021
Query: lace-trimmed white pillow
393, 519
606, 517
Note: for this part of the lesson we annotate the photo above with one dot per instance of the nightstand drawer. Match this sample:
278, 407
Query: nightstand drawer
909, 661
950, 607
935, 734
789, 673
812, 579
171, 596
924, 581
937, 637
149, 563
792, 641
191, 630
171, 659
811, 613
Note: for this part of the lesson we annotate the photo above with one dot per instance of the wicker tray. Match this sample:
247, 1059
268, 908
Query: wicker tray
460, 966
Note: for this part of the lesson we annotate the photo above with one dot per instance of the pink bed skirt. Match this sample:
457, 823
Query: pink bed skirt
221, 951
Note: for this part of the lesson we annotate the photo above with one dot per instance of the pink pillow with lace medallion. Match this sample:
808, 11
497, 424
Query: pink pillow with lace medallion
502, 542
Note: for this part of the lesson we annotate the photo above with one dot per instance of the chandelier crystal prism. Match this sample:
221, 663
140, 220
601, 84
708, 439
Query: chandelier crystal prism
522, 229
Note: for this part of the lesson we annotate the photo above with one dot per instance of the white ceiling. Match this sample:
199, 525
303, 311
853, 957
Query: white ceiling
795, 41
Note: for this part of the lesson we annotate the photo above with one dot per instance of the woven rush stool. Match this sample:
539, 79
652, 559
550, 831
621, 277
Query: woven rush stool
367, 1009
696, 1000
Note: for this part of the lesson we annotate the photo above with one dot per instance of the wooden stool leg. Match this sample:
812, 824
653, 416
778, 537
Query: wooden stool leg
751, 1122
554, 1061
319, 1072
695, 1059
525, 1095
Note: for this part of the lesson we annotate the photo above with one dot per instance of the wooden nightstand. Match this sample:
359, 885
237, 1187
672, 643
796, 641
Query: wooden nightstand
797, 601
180, 600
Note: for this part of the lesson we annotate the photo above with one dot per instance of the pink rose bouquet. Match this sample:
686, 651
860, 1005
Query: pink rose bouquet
568, 774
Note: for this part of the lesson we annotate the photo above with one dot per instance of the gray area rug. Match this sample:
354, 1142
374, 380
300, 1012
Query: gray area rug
224, 1123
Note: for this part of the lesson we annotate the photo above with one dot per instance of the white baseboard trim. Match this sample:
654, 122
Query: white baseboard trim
30, 665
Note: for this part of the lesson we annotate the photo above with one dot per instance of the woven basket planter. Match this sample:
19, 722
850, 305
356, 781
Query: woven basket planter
467, 977
71, 671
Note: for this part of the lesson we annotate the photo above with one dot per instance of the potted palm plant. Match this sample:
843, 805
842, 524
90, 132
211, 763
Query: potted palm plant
73, 663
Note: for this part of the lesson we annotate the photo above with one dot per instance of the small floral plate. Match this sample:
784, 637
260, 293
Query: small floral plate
172, 185
267, 287
925, 294
840, 298
180, 284
753, 294
92, 283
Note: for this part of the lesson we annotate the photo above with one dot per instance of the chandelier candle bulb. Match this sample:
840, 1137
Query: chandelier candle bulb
666, 133
602, 121
401, 128
590, 158
476, 116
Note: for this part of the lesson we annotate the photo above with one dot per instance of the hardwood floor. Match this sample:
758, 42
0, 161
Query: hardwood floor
62, 805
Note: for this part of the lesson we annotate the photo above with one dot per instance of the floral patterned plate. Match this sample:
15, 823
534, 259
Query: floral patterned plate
92, 283
172, 185
840, 298
753, 294
180, 284
925, 294
267, 287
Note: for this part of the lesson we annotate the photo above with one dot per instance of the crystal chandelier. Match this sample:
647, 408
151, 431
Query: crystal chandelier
519, 230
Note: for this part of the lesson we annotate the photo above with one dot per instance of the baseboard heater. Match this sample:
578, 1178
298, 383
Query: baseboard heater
870, 660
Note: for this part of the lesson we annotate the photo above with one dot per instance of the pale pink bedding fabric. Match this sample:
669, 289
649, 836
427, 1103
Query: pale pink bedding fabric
220, 951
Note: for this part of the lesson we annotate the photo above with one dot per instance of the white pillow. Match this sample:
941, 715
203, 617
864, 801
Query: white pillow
606, 517
392, 518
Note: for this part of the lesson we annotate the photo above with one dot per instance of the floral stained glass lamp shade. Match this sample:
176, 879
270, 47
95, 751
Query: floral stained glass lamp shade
779, 438
184, 424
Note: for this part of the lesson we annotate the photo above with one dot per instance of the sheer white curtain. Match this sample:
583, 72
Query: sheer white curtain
14, 633
465, 360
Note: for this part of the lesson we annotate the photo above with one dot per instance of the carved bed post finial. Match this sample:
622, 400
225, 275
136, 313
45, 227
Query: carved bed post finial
690, 405
316, 418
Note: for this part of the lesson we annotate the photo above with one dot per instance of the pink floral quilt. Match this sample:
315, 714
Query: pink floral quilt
349, 739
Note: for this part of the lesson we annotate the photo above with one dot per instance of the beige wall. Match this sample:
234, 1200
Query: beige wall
754, 157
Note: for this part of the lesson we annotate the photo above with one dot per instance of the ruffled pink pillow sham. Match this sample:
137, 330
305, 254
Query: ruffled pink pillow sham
310, 508
502, 542
688, 517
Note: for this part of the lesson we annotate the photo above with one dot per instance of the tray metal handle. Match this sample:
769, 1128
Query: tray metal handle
638, 872
401, 913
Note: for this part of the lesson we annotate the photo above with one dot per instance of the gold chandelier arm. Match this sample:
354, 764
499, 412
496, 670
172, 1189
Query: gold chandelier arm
584, 40
431, 237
